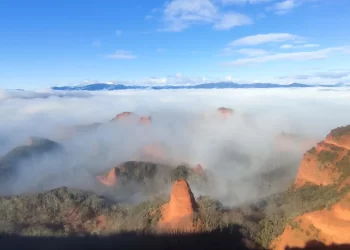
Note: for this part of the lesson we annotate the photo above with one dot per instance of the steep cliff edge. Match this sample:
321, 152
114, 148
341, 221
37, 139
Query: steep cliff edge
327, 165
328, 162
179, 214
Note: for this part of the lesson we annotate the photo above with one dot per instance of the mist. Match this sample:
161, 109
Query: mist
186, 126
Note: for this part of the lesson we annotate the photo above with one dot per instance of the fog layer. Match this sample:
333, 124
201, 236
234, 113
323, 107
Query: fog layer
185, 125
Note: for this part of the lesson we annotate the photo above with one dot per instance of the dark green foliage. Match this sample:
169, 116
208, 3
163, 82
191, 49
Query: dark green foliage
34, 214
180, 172
338, 132
262, 222
48, 205
335, 148
147, 213
294, 224
281, 209
210, 212
327, 156
344, 167
137, 171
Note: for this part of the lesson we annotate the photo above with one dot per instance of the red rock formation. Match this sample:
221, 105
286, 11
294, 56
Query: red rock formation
178, 215
225, 112
110, 179
199, 169
145, 120
331, 156
123, 116
327, 163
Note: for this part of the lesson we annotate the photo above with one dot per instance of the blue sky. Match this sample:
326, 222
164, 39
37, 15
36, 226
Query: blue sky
45, 43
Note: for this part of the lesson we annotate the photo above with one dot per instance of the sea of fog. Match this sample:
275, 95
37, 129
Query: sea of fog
184, 122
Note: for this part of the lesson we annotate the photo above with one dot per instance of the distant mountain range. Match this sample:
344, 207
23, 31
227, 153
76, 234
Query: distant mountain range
218, 85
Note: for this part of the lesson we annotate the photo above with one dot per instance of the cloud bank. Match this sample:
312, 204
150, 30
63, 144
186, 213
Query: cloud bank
179, 15
184, 122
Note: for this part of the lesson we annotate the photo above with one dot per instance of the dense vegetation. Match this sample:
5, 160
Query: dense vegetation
344, 167
338, 132
327, 156
72, 212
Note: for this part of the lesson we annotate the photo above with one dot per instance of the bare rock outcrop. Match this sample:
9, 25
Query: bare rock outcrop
328, 162
110, 179
179, 214
325, 165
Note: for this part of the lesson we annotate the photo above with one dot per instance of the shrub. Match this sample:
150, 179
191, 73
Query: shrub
327, 156
338, 132
180, 172
210, 213
344, 167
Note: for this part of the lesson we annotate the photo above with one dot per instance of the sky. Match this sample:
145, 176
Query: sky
154, 42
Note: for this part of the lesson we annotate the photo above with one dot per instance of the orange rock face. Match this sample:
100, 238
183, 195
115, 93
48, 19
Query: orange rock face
327, 226
324, 164
327, 163
178, 215
225, 112
110, 179
145, 120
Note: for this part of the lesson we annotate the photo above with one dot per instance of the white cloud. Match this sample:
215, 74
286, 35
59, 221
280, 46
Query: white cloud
196, 136
264, 38
176, 79
122, 54
228, 2
252, 52
325, 75
44, 94
230, 20
294, 56
284, 6
291, 46
118, 32
229, 51
181, 14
